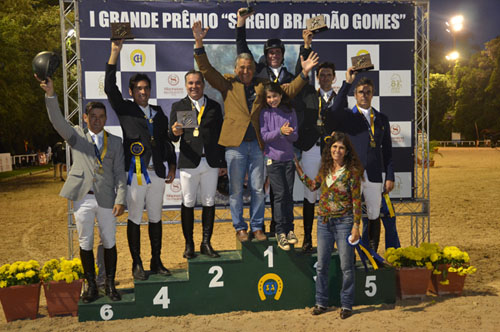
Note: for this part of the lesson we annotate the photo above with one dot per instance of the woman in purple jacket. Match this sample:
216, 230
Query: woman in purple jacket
278, 128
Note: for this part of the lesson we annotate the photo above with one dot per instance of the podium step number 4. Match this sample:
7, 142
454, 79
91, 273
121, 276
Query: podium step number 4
258, 276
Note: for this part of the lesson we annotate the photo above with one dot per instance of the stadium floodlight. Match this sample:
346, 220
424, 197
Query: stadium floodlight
456, 24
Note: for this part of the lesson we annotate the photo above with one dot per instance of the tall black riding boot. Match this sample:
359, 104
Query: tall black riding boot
134, 244
92, 293
374, 233
207, 219
187, 221
308, 216
110, 258
155, 237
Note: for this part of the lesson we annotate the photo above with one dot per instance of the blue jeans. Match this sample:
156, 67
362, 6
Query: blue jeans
246, 157
336, 230
281, 176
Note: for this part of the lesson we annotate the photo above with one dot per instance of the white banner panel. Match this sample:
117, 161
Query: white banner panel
402, 185
5, 162
94, 84
138, 58
395, 83
170, 84
401, 134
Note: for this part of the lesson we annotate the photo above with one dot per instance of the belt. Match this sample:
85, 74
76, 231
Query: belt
203, 155
90, 192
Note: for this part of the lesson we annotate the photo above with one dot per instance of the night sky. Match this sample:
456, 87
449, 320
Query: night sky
481, 19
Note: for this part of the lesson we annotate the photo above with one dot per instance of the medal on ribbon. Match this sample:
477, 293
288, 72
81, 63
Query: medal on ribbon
101, 154
370, 125
137, 164
196, 131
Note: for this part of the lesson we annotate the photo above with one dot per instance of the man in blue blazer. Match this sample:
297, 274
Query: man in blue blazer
369, 131
96, 184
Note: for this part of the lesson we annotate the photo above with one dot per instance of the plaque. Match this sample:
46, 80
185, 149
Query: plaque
187, 119
121, 31
362, 62
246, 11
316, 24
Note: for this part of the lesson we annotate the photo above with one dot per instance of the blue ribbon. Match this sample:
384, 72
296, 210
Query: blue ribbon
362, 254
132, 170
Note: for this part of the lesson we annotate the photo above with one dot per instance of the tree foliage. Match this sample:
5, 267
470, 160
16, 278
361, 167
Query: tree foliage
26, 28
466, 96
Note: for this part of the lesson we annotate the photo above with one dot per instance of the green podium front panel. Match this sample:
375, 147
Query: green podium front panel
258, 276
375, 286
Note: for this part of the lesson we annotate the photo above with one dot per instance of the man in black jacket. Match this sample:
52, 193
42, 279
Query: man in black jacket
314, 108
146, 145
201, 159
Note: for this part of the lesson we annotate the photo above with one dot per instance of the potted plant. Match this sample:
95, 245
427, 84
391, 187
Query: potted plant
429, 158
450, 270
413, 268
20, 289
62, 285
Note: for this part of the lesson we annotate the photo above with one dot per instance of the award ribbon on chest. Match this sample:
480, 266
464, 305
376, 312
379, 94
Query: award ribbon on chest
196, 131
137, 164
370, 125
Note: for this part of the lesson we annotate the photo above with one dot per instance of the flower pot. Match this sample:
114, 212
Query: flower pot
62, 297
412, 281
20, 301
455, 286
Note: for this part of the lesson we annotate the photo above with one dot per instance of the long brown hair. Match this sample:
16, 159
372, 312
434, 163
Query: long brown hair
351, 159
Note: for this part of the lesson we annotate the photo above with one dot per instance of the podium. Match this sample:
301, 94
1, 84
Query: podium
258, 276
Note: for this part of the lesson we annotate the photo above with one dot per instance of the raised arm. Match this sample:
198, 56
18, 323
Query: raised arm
115, 97
54, 112
241, 33
293, 88
305, 50
212, 76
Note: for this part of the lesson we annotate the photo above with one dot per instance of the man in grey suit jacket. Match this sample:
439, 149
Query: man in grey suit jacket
96, 184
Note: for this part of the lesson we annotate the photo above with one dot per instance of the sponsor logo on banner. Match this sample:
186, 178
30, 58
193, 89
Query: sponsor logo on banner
355, 50
395, 83
402, 185
401, 134
170, 84
94, 84
138, 57
173, 195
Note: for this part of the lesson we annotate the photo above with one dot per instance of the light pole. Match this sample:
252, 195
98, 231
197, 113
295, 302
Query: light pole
455, 25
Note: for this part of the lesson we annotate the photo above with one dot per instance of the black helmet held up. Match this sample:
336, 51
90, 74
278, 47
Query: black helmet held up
274, 43
45, 64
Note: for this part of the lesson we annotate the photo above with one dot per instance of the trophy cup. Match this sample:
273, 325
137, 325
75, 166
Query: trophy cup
316, 24
121, 31
362, 62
